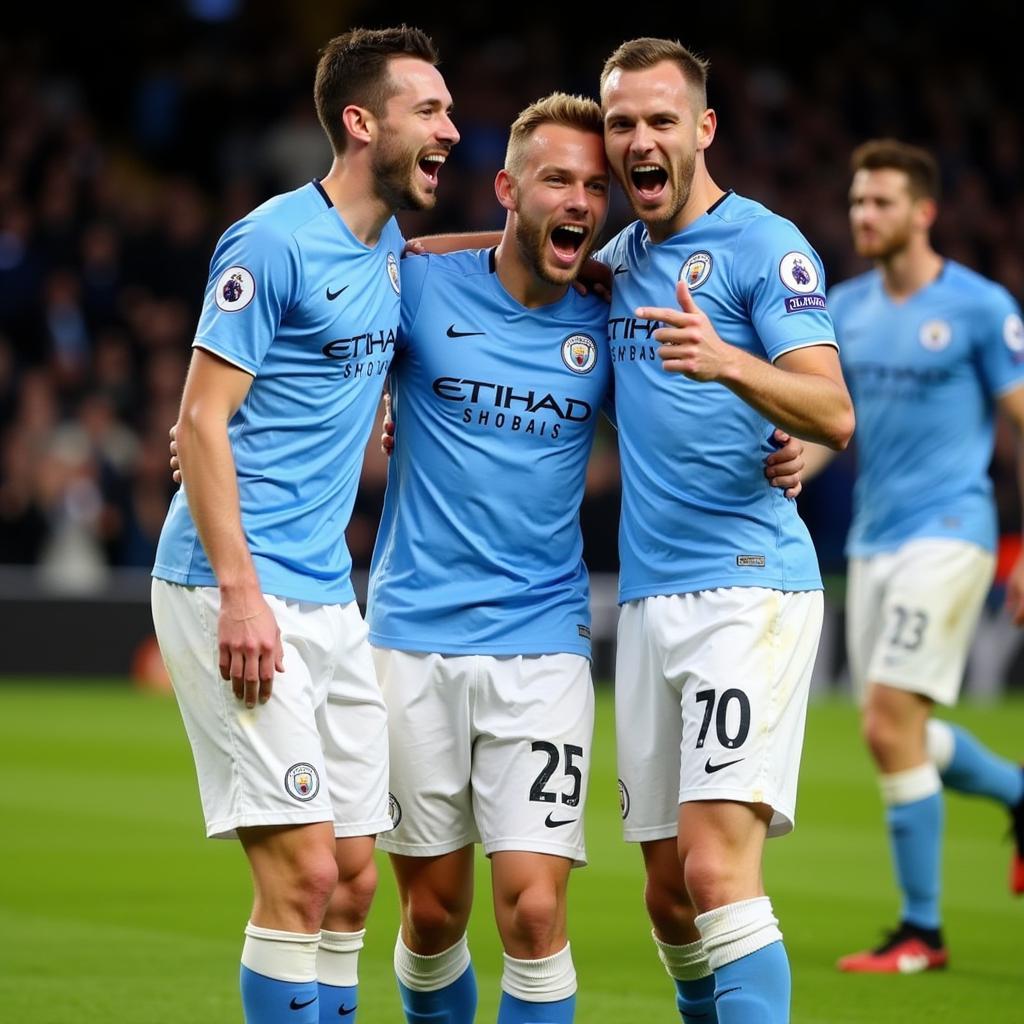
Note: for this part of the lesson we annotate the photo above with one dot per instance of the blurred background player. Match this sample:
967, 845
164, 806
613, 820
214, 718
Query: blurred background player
479, 599
719, 582
252, 572
931, 350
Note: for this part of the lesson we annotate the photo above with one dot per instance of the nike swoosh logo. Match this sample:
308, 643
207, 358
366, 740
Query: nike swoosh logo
293, 1005
620, 269
331, 296
554, 822
452, 333
712, 768
344, 1011
726, 991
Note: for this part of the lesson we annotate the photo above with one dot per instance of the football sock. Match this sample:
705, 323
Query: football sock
914, 815
745, 950
538, 991
278, 977
968, 766
438, 989
688, 967
337, 963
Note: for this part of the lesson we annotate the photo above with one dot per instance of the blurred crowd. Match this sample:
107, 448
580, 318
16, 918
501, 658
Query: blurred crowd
111, 200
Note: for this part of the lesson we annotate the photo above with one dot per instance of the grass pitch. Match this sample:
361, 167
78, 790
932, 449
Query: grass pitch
115, 909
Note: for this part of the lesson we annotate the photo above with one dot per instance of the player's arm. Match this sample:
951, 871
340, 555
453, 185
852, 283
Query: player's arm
1011, 405
439, 245
247, 633
816, 458
803, 392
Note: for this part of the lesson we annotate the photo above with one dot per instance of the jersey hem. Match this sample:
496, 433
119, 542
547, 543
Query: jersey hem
799, 586
491, 649
869, 549
286, 592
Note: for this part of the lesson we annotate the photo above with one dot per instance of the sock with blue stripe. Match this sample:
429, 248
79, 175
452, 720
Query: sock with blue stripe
914, 816
278, 977
538, 991
438, 989
968, 766
337, 975
744, 949
688, 967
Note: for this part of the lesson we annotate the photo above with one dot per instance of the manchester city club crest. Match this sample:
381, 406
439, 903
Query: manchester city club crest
234, 290
302, 781
623, 800
394, 810
1013, 334
579, 353
393, 273
696, 270
935, 335
798, 272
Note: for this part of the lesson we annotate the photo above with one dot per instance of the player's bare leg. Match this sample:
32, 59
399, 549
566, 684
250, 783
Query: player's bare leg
679, 944
539, 981
432, 961
294, 873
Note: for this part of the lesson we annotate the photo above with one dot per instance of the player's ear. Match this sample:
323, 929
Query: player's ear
505, 189
707, 122
925, 212
359, 123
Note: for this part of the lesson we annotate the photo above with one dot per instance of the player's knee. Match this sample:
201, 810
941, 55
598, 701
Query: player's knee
434, 920
536, 919
355, 890
882, 734
309, 884
668, 903
712, 877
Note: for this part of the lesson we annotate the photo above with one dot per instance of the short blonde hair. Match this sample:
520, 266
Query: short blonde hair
558, 108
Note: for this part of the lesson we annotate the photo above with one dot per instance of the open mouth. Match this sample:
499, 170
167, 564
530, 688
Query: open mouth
430, 165
648, 180
567, 240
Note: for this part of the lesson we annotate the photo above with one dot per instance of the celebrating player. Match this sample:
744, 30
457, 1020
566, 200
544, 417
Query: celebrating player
252, 574
719, 582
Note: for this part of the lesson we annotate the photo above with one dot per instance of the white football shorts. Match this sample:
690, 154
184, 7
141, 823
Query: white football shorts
911, 614
710, 702
487, 749
316, 751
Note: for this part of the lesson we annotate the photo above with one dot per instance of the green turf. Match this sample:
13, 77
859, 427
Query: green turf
114, 909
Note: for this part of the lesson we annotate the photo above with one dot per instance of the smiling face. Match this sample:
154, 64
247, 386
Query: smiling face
655, 127
884, 215
416, 135
557, 193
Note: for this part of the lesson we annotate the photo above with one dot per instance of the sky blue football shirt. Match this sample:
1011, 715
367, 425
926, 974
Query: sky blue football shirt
924, 375
479, 549
697, 511
296, 300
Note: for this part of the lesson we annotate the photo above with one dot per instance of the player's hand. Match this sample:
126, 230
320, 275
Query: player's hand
689, 344
1015, 592
782, 467
594, 278
250, 648
387, 436
413, 247
175, 461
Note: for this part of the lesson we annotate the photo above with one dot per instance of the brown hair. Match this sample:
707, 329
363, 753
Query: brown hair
353, 68
646, 52
920, 167
558, 108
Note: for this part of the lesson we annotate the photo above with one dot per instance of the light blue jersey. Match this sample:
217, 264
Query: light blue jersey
924, 375
295, 299
697, 511
479, 549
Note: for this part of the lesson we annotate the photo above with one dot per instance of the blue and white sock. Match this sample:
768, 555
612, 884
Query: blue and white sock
968, 766
337, 975
688, 967
745, 950
538, 991
278, 977
438, 989
914, 816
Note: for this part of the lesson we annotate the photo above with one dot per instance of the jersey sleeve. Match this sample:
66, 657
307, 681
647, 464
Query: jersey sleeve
999, 344
782, 281
254, 280
414, 270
